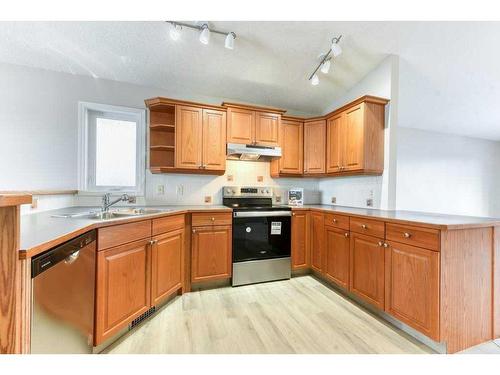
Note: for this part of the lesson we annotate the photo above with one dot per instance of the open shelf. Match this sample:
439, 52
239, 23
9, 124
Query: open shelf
162, 138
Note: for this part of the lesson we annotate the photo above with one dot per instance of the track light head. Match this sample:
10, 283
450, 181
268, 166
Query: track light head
315, 80
205, 34
175, 31
229, 43
325, 67
336, 49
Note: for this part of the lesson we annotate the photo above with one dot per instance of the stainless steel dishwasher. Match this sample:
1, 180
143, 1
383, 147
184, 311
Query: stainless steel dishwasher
63, 284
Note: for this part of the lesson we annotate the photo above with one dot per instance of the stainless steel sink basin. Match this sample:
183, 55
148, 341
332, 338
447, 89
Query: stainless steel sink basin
112, 214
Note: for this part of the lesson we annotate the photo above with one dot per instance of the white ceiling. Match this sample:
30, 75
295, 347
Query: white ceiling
449, 78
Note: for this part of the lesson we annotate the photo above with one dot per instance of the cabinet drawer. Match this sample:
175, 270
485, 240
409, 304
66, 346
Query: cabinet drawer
211, 218
168, 224
121, 234
367, 226
416, 236
337, 221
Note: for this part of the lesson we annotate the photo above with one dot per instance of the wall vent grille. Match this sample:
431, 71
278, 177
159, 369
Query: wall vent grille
141, 318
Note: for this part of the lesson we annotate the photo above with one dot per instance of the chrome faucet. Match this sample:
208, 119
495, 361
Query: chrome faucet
106, 203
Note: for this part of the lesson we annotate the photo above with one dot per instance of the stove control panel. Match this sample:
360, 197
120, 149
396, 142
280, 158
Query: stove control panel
247, 191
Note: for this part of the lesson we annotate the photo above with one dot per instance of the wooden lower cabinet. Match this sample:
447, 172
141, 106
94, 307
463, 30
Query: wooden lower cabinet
123, 287
412, 287
300, 240
166, 265
337, 255
211, 254
367, 268
317, 240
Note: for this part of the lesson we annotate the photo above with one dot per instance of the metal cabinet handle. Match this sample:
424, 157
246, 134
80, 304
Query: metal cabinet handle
293, 213
364, 226
380, 243
386, 244
346, 234
194, 230
334, 220
407, 235
213, 219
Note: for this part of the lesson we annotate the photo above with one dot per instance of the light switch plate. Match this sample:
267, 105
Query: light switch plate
230, 177
369, 202
334, 200
260, 178
278, 199
208, 199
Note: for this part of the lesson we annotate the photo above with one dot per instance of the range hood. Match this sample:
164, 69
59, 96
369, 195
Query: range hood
237, 151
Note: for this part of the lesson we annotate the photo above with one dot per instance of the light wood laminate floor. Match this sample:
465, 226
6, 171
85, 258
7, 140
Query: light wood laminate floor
300, 315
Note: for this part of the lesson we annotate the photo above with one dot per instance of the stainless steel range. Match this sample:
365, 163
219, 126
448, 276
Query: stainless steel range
261, 235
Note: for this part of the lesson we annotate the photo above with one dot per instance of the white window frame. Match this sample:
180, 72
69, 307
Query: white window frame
86, 181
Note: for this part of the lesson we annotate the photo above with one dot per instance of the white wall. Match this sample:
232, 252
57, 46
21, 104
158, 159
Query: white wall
353, 191
446, 173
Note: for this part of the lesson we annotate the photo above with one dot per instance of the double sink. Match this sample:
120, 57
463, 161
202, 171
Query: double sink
111, 214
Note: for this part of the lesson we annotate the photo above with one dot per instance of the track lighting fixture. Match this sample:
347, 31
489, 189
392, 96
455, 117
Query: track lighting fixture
175, 31
205, 31
326, 60
229, 43
205, 34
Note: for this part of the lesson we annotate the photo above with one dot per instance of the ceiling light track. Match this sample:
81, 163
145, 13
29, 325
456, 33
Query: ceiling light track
204, 30
326, 61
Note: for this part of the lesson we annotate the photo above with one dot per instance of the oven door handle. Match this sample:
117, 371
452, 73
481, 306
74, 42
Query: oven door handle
262, 213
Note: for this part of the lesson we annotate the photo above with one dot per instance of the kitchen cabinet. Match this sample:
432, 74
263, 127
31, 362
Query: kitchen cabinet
300, 240
292, 149
186, 137
122, 287
367, 276
211, 255
317, 241
314, 147
412, 287
248, 124
166, 265
355, 137
337, 253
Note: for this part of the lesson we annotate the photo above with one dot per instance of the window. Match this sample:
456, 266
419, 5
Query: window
111, 148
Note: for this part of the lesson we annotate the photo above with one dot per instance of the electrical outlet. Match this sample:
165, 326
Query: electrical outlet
260, 178
278, 199
180, 190
369, 202
208, 199
160, 189
230, 177
334, 200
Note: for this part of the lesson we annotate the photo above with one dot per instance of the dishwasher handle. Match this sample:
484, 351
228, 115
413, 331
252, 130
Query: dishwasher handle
67, 252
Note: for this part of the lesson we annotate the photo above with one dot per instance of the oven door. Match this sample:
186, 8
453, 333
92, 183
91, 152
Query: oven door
261, 235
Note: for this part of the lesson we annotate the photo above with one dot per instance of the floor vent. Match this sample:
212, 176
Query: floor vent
141, 318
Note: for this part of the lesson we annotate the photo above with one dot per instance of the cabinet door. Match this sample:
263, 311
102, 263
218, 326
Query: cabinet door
211, 253
367, 268
337, 255
123, 287
267, 127
292, 147
166, 265
334, 143
314, 147
300, 238
412, 287
240, 126
317, 240
214, 139
188, 137
353, 138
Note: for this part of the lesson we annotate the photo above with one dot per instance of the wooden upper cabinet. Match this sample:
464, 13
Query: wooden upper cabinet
122, 288
314, 147
300, 240
188, 137
335, 142
317, 241
353, 154
412, 287
337, 255
240, 126
211, 255
267, 127
166, 265
292, 149
214, 140
367, 276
